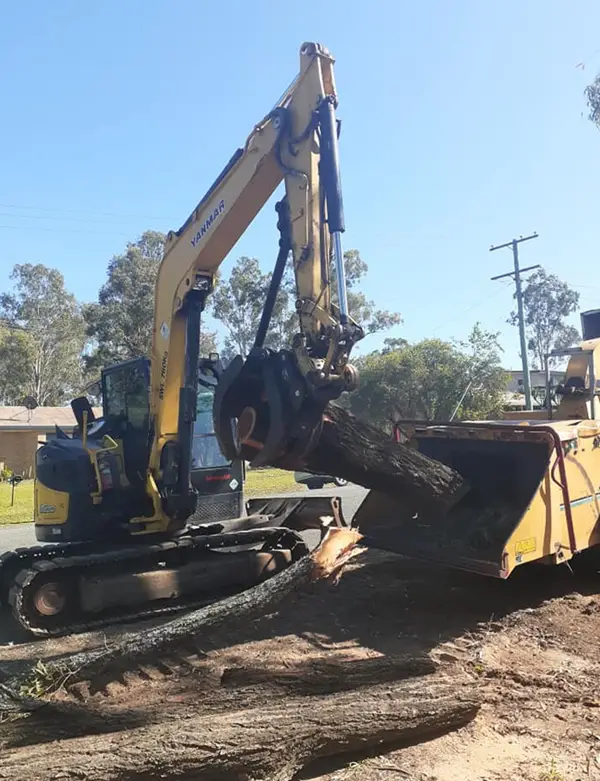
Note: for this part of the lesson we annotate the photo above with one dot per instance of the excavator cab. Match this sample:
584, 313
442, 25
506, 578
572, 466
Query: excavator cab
126, 415
89, 485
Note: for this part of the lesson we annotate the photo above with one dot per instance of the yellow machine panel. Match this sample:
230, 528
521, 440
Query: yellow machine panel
534, 481
50, 507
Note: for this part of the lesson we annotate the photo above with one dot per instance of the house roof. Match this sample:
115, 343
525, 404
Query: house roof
554, 372
42, 419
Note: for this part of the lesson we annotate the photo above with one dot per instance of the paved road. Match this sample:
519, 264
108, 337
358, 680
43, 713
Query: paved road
20, 535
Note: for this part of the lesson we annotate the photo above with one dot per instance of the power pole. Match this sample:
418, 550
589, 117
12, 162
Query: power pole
514, 244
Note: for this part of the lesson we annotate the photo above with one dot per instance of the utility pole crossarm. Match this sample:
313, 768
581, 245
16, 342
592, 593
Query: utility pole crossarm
512, 273
510, 243
514, 245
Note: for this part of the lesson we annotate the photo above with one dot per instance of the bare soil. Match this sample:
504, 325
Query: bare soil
532, 645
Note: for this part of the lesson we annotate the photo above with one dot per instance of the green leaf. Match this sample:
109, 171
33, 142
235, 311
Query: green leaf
42, 338
120, 323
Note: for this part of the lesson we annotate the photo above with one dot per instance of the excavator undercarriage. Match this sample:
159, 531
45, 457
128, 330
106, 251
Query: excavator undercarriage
58, 589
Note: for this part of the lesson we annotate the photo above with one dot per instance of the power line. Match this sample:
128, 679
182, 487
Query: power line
80, 211
479, 303
514, 245
31, 229
55, 218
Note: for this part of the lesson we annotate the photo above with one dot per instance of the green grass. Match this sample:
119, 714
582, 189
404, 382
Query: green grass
551, 774
261, 482
22, 510
258, 483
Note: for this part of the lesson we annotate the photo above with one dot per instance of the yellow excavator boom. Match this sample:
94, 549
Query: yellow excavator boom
268, 405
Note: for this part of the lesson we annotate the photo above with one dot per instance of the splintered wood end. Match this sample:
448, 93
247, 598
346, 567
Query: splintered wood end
336, 550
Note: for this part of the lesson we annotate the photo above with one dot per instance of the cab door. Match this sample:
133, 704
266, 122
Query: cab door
219, 482
126, 410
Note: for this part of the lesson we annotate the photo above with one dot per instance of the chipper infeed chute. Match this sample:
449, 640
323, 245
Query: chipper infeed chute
513, 512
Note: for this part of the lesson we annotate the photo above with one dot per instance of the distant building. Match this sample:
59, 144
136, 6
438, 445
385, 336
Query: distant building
22, 430
515, 393
537, 379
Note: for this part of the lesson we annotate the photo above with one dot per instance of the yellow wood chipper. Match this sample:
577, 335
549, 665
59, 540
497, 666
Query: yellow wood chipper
534, 479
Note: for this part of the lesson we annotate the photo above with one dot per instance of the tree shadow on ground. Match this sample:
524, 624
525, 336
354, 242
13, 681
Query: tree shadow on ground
394, 605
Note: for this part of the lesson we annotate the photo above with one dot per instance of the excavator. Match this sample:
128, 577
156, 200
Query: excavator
117, 500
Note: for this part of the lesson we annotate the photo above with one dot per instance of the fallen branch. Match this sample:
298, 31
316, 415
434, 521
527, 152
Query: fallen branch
325, 562
271, 743
11, 701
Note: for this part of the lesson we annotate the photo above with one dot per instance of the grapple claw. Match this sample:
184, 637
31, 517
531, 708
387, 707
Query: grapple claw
265, 412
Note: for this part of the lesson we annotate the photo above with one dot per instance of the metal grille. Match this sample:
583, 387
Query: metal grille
218, 507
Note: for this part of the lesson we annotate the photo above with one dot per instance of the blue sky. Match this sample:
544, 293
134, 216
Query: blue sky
464, 124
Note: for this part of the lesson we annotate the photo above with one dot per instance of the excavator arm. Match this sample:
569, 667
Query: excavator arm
269, 405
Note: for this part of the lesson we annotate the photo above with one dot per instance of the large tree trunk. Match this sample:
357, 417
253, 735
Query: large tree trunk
270, 743
354, 450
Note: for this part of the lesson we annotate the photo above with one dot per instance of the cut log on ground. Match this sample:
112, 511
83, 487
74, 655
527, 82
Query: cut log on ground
11, 701
321, 676
354, 450
325, 562
271, 743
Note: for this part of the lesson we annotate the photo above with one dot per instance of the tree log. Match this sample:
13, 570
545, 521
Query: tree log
329, 676
325, 562
271, 743
362, 454
11, 701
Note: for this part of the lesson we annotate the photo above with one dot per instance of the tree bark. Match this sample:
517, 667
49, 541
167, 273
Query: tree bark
325, 562
362, 454
269, 743
322, 676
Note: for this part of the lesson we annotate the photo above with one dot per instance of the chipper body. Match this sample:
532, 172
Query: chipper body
534, 480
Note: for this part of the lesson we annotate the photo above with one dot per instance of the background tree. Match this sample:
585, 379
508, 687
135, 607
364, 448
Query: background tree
592, 94
547, 303
120, 324
362, 309
428, 379
15, 355
238, 304
42, 351
486, 379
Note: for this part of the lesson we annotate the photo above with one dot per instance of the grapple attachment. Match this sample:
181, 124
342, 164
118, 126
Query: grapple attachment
265, 412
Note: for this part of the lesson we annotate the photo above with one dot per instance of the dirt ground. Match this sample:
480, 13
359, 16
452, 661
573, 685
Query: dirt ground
531, 643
